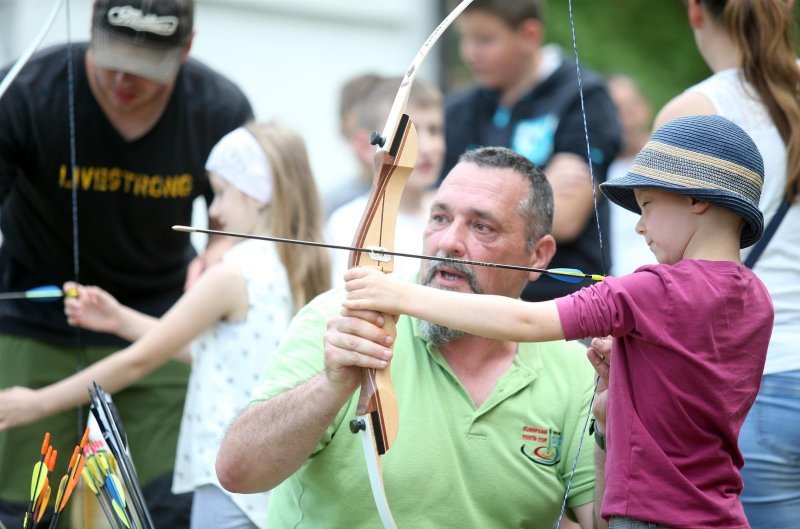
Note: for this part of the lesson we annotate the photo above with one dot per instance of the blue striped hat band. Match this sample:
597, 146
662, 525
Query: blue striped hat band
704, 157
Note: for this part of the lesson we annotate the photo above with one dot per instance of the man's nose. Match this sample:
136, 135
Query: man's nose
453, 240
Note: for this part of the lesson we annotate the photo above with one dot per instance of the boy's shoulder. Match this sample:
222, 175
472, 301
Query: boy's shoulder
468, 97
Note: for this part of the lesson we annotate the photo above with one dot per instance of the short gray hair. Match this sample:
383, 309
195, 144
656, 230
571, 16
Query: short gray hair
536, 208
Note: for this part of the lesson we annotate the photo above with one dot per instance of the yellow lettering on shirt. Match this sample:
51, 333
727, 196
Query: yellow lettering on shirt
118, 180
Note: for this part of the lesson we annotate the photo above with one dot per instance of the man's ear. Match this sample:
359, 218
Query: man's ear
542, 254
699, 206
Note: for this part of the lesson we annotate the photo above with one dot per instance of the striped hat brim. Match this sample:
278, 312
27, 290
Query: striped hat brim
706, 157
620, 192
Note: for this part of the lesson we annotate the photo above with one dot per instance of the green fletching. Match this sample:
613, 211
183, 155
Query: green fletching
120, 513
38, 479
87, 477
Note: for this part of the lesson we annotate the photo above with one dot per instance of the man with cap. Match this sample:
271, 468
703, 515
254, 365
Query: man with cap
690, 334
146, 117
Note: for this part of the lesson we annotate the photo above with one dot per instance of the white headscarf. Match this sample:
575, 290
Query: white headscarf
240, 160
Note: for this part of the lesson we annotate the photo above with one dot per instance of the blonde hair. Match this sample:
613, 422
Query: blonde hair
763, 31
295, 211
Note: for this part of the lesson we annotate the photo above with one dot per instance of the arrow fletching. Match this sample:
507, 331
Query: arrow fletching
120, 513
62, 486
87, 478
73, 481
37, 480
41, 502
572, 275
44, 292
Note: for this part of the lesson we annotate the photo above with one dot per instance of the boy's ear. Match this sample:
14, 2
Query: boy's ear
696, 14
532, 31
699, 206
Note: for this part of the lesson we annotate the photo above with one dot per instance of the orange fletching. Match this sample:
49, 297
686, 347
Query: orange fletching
73, 480
50, 460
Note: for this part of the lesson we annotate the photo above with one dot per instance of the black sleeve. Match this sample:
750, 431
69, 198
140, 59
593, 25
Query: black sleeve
605, 134
11, 138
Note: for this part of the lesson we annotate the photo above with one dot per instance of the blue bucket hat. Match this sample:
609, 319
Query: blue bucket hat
704, 157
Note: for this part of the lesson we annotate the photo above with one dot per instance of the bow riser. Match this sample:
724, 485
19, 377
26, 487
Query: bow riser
377, 400
393, 168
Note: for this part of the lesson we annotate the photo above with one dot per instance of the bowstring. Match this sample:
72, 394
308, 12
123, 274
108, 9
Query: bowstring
80, 359
602, 254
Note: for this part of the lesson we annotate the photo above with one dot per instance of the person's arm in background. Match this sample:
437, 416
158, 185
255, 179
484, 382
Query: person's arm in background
569, 178
568, 168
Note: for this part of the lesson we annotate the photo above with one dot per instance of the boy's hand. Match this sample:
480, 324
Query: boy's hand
93, 309
371, 289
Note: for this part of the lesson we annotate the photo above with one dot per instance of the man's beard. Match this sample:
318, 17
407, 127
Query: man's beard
434, 333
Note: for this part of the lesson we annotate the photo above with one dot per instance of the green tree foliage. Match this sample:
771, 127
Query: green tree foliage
649, 40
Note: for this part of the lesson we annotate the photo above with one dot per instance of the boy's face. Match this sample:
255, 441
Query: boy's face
496, 54
667, 223
429, 122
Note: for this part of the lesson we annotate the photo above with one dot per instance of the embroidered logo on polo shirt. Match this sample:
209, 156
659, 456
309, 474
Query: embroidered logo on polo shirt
541, 445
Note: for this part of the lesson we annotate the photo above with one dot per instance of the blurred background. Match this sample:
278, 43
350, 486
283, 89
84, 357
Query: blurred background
292, 56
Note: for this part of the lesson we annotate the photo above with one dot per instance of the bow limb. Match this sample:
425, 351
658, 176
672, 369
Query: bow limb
23, 59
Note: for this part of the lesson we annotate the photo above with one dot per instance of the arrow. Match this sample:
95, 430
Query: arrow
43, 293
99, 483
87, 478
44, 496
75, 469
38, 478
568, 275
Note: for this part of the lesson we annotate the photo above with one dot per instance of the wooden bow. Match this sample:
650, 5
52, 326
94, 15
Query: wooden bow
377, 414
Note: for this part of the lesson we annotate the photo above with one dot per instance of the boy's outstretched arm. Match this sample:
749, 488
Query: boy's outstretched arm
496, 317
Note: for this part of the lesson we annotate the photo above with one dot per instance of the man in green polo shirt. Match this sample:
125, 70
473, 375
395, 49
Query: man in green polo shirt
488, 430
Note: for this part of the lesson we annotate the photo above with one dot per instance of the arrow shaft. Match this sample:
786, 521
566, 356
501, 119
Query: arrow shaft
379, 251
